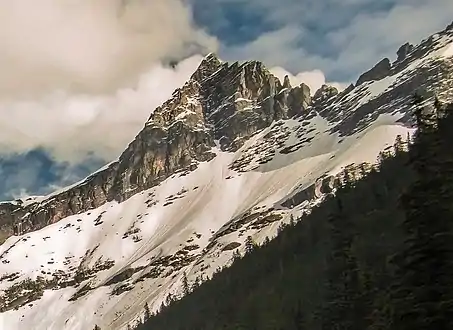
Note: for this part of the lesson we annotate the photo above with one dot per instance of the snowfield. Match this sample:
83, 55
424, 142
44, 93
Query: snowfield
165, 218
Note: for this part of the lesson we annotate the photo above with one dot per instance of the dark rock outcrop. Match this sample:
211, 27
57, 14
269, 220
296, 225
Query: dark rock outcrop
324, 92
403, 51
240, 100
322, 186
379, 71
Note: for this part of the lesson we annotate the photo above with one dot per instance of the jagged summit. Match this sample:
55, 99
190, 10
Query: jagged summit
210, 64
233, 152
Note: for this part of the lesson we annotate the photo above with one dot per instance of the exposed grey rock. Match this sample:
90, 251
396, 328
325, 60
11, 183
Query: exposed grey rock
449, 27
208, 66
299, 100
379, 71
286, 82
324, 92
322, 186
403, 51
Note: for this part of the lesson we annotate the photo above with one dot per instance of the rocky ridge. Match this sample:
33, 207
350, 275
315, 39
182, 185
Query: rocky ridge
221, 101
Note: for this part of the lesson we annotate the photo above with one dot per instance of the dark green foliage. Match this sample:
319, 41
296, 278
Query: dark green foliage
147, 315
422, 295
377, 256
185, 285
249, 244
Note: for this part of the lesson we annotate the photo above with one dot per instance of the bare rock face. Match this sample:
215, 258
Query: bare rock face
403, 51
449, 27
220, 101
324, 93
239, 100
379, 71
322, 186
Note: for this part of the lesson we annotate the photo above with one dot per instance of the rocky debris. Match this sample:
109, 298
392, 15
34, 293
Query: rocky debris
379, 71
403, 51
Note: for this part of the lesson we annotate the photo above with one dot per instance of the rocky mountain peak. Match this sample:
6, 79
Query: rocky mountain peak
210, 64
324, 92
221, 101
403, 51
449, 27
286, 82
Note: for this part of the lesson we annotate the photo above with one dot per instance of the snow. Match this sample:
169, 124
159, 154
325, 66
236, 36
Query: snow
194, 209
222, 195
449, 51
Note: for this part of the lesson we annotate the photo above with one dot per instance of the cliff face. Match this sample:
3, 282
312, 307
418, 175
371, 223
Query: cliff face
221, 102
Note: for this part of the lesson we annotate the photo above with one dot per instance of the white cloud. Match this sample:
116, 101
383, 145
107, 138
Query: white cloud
82, 76
73, 125
361, 40
89, 45
313, 79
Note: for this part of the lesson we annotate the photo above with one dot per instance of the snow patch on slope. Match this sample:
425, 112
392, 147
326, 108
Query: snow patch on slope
163, 220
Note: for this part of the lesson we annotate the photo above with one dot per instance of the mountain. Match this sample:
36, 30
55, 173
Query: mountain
367, 257
233, 153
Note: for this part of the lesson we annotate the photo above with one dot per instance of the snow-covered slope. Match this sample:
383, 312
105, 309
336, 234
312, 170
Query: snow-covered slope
100, 264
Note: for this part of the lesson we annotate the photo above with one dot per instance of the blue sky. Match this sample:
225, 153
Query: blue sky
340, 37
72, 106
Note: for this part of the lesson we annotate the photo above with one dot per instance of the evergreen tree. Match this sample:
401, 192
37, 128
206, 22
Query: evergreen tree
96, 327
399, 144
422, 295
185, 285
342, 310
196, 283
236, 255
249, 245
298, 319
147, 314
169, 299
292, 221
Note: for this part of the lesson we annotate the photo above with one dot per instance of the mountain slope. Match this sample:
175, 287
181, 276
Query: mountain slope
233, 153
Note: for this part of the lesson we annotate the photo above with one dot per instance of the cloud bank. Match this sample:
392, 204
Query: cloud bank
90, 46
75, 126
343, 38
